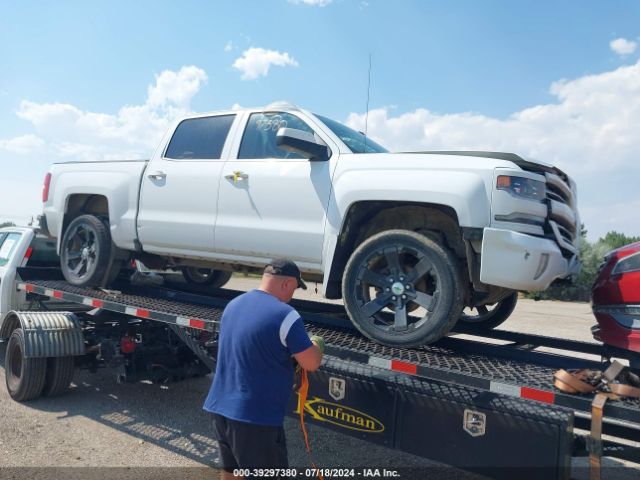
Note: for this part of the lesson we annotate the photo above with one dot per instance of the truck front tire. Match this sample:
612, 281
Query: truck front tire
396, 273
85, 252
24, 377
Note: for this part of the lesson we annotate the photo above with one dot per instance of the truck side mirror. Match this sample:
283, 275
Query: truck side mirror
303, 143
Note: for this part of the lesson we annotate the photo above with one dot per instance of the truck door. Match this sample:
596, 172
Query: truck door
273, 202
14, 243
179, 191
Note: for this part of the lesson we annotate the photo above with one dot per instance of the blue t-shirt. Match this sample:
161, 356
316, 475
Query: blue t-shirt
254, 373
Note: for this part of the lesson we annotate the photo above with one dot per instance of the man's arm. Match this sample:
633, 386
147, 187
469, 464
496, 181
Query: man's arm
307, 351
310, 358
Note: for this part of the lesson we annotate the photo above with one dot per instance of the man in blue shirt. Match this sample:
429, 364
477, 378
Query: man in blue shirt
259, 335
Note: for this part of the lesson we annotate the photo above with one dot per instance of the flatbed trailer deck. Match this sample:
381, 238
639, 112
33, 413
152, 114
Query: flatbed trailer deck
467, 402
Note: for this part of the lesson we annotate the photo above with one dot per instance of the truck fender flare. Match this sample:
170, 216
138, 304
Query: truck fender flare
46, 334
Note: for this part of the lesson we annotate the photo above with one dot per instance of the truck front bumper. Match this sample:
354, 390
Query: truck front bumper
522, 262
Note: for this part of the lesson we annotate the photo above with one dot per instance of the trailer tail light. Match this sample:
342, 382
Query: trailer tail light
127, 344
45, 188
27, 256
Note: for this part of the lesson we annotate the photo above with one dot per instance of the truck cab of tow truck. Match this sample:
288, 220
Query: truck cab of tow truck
19, 246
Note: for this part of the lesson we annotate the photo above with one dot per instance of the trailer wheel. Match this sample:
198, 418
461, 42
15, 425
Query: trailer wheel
402, 289
206, 276
59, 374
24, 376
85, 251
488, 317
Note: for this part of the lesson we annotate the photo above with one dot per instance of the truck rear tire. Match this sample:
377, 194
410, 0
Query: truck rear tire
395, 273
488, 316
206, 276
24, 376
85, 252
59, 374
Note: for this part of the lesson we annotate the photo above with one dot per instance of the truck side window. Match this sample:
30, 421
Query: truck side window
200, 138
259, 139
7, 246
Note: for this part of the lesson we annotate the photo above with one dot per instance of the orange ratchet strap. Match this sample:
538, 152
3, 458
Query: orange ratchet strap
591, 381
302, 400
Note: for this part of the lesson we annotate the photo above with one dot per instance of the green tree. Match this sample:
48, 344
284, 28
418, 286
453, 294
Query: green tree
592, 255
7, 224
616, 240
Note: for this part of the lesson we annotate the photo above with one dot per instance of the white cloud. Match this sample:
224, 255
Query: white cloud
590, 131
23, 145
133, 132
21, 198
228, 46
313, 3
255, 62
622, 46
176, 88
64, 132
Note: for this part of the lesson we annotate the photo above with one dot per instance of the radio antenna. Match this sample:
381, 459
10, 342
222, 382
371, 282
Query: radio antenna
366, 118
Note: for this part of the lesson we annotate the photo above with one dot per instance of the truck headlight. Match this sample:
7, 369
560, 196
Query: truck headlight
522, 187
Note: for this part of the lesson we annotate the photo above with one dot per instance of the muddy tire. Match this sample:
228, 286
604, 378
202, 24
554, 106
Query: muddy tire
59, 374
24, 377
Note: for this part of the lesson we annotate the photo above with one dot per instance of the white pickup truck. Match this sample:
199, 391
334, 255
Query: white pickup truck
408, 240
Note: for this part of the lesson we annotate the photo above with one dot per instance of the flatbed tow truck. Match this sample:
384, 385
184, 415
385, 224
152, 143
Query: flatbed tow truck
467, 402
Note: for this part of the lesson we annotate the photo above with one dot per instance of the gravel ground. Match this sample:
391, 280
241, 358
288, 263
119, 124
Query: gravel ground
141, 427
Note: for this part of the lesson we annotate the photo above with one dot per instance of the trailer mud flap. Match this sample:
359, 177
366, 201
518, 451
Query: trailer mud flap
485, 432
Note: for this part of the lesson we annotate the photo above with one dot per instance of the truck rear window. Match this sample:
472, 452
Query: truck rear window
7, 247
199, 138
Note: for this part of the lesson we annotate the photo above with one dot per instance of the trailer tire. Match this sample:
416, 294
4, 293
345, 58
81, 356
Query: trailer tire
206, 276
488, 319
59, 374
24, 376
401, 271
85, 252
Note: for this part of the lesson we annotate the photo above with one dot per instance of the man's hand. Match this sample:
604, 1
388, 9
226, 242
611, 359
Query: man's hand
311, 358
319, 341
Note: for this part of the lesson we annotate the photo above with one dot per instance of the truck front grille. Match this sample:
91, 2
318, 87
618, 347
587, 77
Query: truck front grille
563, 214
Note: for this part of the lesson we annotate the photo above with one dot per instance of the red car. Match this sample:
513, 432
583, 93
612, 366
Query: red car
616, 301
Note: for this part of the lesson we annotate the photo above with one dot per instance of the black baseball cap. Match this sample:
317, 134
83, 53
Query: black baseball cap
286, 268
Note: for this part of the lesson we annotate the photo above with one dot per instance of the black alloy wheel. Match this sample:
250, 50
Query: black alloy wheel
402, 289
85, 251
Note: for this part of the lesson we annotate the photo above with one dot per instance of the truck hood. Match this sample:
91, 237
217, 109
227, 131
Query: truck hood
530, 165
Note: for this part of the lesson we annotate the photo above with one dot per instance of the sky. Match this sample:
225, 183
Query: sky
548, 80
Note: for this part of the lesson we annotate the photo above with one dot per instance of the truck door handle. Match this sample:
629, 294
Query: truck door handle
237, 176
157, 175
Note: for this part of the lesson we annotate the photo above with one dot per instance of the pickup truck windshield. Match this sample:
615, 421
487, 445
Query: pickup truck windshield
356, 141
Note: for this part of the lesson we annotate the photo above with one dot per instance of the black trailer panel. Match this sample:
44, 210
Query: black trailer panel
463, 427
